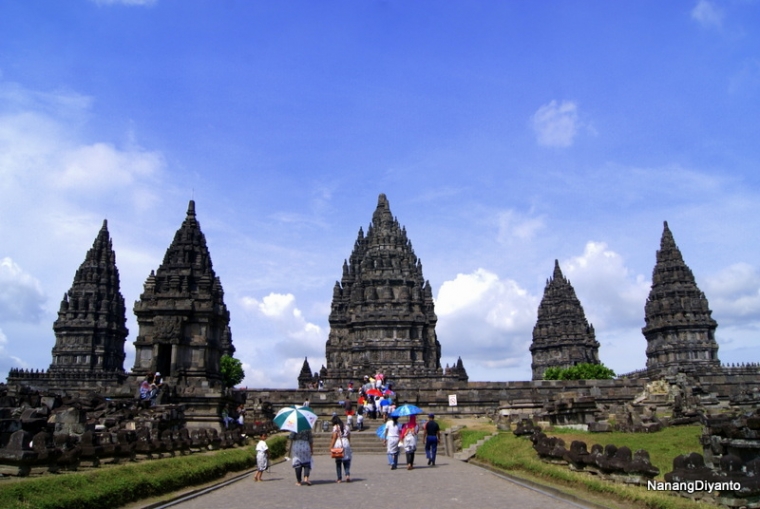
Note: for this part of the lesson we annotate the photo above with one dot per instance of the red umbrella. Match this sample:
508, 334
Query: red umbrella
374, 392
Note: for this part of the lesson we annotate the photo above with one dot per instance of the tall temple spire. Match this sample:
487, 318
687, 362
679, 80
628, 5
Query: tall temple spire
91, 327
382, 316
679, 330
184, 323
562, 336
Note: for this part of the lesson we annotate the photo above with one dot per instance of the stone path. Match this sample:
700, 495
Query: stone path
450, 484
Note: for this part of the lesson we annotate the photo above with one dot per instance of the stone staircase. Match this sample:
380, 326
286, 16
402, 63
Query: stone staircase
468, 453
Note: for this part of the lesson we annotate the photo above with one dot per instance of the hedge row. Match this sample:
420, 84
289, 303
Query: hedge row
121, 484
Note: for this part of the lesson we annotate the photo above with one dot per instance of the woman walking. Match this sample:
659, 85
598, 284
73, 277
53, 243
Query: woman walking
409, 440
391, 441
301, 449
341, 437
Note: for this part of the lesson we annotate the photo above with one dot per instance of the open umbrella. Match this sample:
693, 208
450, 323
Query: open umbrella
374, 392
295, 418
380, 431
405, 410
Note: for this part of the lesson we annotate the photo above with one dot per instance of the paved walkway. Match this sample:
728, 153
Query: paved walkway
450, 484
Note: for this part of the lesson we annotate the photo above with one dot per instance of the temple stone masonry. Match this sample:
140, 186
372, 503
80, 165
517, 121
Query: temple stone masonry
382, 317
184, 323
90, 331
679, 330
562, 336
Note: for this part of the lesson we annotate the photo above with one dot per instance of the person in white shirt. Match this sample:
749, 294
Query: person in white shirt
262, 457
391, 439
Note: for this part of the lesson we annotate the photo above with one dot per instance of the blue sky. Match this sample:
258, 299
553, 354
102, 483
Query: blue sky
505, 134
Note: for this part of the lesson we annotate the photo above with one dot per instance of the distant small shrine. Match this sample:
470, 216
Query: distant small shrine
562, 336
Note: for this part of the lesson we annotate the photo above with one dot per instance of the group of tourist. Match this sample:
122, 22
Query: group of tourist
230, 417
405, 437
301, 452
395, 437
150, 387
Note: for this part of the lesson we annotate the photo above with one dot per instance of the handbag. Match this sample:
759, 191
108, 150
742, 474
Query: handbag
336, 452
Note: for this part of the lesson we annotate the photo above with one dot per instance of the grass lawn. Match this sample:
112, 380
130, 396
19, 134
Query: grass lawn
662, 446
515, 455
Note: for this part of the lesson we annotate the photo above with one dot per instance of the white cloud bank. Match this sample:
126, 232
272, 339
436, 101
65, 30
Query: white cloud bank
488, 320
21, 295
280, 337
485, 320
556, 124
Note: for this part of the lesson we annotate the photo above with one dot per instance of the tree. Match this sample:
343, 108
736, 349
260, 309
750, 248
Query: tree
232, 370
582, 371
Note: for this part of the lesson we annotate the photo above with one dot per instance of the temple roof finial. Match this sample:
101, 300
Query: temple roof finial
191, 208
557, 271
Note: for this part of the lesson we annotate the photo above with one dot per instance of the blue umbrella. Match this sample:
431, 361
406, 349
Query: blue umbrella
380, 431
405, 410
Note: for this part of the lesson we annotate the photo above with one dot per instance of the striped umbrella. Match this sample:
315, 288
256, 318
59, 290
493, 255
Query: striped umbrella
295, 419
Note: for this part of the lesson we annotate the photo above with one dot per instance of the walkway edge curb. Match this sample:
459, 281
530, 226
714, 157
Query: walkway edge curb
544, 489
202, 491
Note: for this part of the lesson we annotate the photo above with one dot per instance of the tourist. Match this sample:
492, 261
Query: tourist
341, 437
148, 389
301, 449
391, 438
409, 440
226, 417
384, 404
360, 417
432, 436
240, 415
321, 385
262, 457
349, 414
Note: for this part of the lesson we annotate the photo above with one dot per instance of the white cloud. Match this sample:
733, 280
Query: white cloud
277, 338
556, 125
734, 294
611, 296
101, 166
490, 319
707, 14
21, 295
514, 226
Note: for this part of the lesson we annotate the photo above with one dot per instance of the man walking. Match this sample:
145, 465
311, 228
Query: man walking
432, 436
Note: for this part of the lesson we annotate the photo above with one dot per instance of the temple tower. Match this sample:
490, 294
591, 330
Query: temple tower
184, 323
562, 336
91, 327
679, 330
382, 317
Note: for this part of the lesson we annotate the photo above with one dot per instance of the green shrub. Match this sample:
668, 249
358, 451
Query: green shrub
582, 371
232, 370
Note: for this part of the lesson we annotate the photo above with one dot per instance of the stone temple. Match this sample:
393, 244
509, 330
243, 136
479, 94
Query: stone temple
562, 336
382, 317
184, 323
679, 330
91, 327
